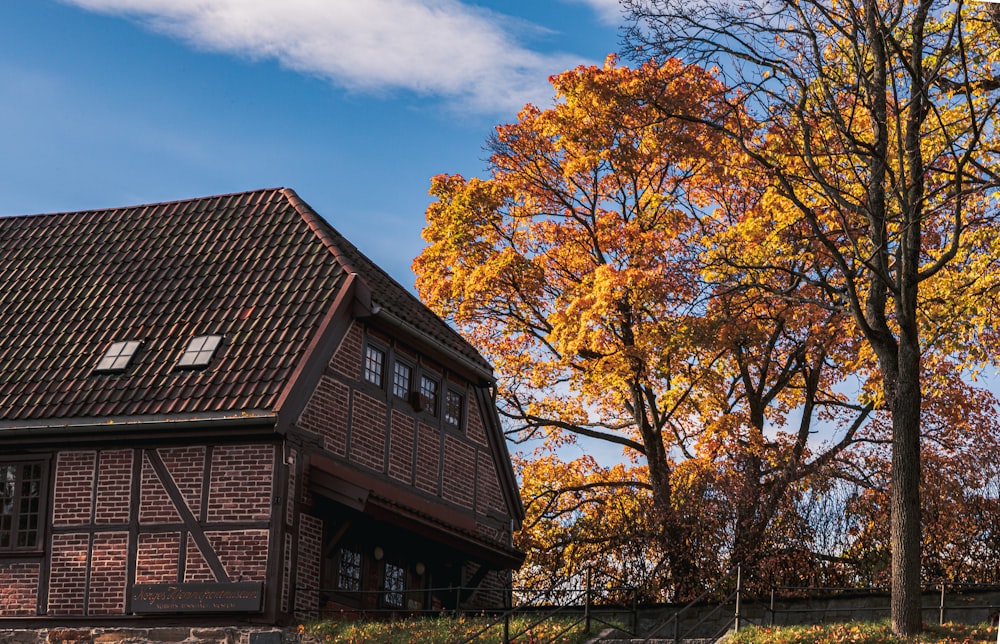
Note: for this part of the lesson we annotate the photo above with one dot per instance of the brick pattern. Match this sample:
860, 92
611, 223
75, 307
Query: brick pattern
428, 458
290, 492
241, 483
326, 414
74, 490
187, 467
155, 505
196, 568
401, 447
108, 574
458, 484
475, 428
308, 566
243, 553
488, 495
114, 487
156, 560
68, 575
491, 590
286, 573
347, 359
368, 432
18, 589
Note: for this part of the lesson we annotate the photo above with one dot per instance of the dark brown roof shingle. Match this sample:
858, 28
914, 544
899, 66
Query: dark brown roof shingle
248, 266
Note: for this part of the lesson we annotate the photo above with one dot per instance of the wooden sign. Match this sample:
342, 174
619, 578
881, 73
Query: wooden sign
239, 597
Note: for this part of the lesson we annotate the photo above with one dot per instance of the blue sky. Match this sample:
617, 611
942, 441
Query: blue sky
355, 104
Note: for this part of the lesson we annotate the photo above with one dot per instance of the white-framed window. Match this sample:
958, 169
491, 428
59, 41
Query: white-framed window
199, 351
118, 356
402, 375
374, 365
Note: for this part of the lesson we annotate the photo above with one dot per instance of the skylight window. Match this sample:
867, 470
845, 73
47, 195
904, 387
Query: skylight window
199, 351
118, 356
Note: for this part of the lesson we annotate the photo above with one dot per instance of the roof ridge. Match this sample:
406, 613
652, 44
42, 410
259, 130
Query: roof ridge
156, 204
321, 228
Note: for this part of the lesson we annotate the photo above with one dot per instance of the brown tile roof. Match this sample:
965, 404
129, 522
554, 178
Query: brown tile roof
255, 267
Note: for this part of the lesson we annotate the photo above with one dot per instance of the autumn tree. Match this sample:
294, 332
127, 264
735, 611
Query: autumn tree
876, 122
571, 269
579, 268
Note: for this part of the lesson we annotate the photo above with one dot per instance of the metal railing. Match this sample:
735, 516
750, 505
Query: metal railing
675, 620
951, 598
588, 606
570, 607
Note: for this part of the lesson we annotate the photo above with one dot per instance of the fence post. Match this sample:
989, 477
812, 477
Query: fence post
739, 588
998, 630
771, 610
941, 606
586, 606
635, 611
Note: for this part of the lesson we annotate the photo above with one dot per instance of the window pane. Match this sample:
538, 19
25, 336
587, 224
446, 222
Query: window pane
453, 409
429, 390
20, 505
349, 573
118, 356
401, 380
374, 359
199, 351
395, 584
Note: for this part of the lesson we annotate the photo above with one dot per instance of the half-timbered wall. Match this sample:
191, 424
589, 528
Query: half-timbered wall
399, 439
144, 516
377, 431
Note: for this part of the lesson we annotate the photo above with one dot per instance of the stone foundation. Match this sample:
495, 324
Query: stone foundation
159, 635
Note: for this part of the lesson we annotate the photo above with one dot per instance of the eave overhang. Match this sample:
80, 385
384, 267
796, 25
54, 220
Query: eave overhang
388, 502
76, 431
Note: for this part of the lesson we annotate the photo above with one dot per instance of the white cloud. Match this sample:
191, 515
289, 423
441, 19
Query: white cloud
610, 11
432, 47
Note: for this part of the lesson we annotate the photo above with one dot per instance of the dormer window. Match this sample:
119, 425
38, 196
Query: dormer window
118, 356
199, 352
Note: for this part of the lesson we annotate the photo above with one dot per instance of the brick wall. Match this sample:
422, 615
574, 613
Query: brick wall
474, 424
327, 414
491, 591
68, 574
114, 487
368, 432
241, 483
156, 561
96, 520
427, 476
488, 495
72, 499
196, 568
155, 506
286, 575
401, 447
18, 589
308, 567
243, 553
347, 359
108, 573
187, 468
458, 484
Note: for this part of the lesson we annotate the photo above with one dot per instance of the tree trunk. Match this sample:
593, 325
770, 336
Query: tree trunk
905, 495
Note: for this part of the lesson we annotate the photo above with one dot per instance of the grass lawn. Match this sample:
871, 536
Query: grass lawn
862, 633
442, 630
